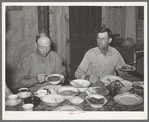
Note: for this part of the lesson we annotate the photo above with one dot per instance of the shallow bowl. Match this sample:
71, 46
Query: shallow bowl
98, 97
68, 91
55, 82
81, 84
53, 100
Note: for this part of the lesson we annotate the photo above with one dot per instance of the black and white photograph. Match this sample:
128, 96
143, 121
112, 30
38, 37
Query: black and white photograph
74, 61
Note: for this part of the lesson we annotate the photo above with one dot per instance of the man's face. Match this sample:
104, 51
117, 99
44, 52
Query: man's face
43, 46
103, 40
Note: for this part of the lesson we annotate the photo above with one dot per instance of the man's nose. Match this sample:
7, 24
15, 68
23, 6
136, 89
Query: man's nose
46, 49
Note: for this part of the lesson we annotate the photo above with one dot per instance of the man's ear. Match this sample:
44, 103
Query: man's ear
110, 40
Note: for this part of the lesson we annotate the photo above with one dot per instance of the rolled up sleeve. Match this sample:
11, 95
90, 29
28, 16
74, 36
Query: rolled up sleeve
83, 67
120, 62
61, 67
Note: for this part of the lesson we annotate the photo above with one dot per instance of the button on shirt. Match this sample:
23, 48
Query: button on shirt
34, 64
97, 64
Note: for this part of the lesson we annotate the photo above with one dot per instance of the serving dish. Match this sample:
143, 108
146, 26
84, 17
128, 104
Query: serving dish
128, 99
68, 91
68, 108
99, 90
81, 84
109, 78
96, 100
53, 100
55, 79
128, 68
76, 100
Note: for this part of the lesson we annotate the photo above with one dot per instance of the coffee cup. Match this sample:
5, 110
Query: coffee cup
41, 93
28, 107
23, 92
13, 98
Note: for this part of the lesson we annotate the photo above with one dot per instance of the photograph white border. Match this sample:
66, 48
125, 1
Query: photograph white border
50, 115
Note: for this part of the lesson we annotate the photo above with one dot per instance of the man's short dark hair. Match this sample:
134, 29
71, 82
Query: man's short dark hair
42, 35
104, 29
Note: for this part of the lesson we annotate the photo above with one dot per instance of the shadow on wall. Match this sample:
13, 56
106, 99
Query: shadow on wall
11, 75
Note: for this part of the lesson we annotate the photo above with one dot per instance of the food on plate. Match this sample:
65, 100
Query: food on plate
68, 92
94, 100
128, 68
53, 78
109, 78
101, 90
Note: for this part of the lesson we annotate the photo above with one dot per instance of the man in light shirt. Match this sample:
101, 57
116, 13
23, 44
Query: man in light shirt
100, 61
36, 66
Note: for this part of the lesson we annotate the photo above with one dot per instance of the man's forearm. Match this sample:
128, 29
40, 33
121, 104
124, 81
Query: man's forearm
25, 82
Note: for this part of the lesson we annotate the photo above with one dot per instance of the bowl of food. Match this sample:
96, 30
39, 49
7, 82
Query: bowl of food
99, 90
81, 84
55, 79
68, 91
53, 100
76, 100
96, 100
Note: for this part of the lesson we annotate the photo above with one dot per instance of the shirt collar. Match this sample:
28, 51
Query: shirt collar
109, 52
43, 59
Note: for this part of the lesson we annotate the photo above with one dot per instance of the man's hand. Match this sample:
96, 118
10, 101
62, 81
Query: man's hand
41, 78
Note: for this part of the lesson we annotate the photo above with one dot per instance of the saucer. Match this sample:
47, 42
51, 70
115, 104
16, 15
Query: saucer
28, 95
13, 104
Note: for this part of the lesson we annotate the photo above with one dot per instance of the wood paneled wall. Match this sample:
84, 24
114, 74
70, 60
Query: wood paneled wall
22, 28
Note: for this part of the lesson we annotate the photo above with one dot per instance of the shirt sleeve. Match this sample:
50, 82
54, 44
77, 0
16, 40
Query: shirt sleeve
24, 79
61, 67
83, 67
120, 62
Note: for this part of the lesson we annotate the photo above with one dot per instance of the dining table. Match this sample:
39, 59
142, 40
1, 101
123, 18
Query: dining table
111, 105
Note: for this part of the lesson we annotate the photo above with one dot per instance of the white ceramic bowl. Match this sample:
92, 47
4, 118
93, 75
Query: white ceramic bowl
57, 81
53, 100
127, 86
98, 97
76, 100
41, 93
81, 84
68, 91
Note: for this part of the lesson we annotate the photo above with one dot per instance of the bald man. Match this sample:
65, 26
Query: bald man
35, 67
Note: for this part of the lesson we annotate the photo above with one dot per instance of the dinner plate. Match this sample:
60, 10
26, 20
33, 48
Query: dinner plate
68, 108
128, 68
128, 99
13, 104
109, 78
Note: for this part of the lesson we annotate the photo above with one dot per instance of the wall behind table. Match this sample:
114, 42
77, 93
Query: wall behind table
22, 28
59, 32
114, 18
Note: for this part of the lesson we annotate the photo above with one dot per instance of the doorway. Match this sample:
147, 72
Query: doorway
84, 24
